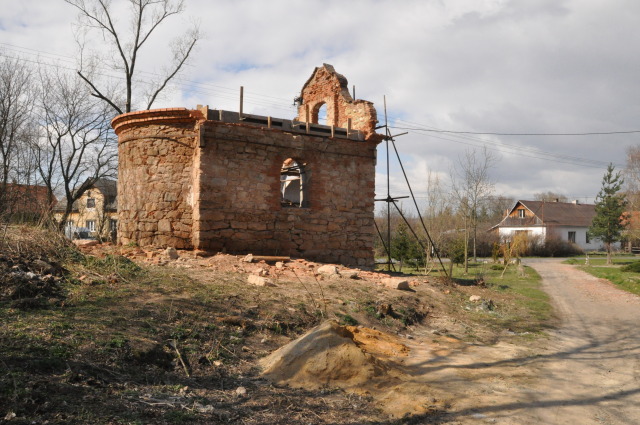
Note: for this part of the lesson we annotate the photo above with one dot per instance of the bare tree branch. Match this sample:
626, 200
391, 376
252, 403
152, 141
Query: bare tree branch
147, 15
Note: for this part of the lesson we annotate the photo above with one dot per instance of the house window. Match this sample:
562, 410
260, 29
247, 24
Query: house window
587, 239
113, 225
91, 225
69, 224
91, 202
521, 213
292, 184
572, 237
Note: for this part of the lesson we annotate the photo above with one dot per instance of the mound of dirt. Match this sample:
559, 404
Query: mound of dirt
377, 343
357, 359
327, 355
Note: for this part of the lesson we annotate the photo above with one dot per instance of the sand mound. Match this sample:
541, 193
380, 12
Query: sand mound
328, 355
377, 343
358, 360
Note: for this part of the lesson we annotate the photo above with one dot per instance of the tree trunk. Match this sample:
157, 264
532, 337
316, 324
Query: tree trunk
466, 250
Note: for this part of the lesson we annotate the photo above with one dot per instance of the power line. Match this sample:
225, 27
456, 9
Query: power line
507, 148
593, 133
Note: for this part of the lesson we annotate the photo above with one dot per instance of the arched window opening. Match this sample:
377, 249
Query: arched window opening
292, 184
319, 114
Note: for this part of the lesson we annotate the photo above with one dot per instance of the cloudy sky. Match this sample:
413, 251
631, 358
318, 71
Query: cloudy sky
479, 66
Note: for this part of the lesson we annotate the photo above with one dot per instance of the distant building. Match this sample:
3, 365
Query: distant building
95, 214
26, 201
568, 221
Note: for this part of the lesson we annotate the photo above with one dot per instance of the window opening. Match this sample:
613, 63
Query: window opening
113, 225
572, 237
587, 239
292, 185
322, 114
91, 202
91, 225
521, 213
319, 114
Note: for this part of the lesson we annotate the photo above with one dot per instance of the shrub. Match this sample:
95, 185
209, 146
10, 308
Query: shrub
633, 267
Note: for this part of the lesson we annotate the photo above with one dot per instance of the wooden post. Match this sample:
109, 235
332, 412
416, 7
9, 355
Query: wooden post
268, 122
241, 102
306, 113
333, 131
348, 127
354, 92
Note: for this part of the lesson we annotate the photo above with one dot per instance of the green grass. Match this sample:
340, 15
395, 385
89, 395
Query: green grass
600, 261
626, 280
629, 281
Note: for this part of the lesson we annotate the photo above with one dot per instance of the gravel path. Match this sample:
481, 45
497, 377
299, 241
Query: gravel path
587, 372
590, 370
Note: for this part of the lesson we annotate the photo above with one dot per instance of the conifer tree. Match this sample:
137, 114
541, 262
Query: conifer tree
607, 224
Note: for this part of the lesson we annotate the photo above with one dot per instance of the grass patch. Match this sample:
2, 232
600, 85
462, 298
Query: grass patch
626, 280
618, 260
520, 304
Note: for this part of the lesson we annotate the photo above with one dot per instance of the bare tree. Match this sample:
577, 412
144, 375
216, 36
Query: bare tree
472, 185
438, 212
550, 196
145, 17
77, 146
632, 189
16, 104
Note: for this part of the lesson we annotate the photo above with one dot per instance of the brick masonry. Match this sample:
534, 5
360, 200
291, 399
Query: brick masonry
198, 179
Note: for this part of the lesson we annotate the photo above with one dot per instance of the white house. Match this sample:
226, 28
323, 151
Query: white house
567, 221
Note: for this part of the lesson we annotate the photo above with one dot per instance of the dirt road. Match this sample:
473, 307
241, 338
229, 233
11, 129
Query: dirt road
587, 372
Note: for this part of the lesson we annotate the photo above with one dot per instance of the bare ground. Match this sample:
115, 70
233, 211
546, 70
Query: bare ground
100, 356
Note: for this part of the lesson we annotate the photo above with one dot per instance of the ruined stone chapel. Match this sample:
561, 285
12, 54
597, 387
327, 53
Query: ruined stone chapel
216, 180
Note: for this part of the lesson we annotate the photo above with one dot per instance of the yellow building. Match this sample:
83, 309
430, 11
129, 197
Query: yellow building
94, 215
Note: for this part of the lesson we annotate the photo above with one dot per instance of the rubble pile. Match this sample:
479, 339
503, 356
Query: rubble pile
30, 283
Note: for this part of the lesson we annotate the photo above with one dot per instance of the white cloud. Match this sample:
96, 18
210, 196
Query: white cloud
495, 65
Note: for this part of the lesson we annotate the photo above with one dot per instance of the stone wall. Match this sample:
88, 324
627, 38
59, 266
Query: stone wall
211, 180
240, 203
155, 176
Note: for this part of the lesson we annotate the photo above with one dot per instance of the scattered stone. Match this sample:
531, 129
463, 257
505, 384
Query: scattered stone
260, 281
171, 253
42, 267
486, 305
349, 274
85, 243
203, 408
279, 265
248, 258
475, 298
241, 391
328, 270
396, 283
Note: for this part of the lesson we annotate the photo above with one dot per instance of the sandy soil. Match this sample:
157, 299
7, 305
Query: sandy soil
586, 372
